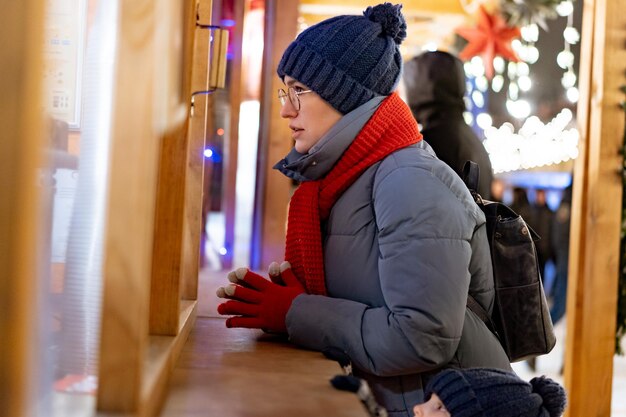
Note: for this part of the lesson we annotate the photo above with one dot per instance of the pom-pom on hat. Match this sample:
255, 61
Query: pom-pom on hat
348, 60
483, 392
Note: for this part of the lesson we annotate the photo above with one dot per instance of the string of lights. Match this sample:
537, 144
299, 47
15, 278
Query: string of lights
535, 144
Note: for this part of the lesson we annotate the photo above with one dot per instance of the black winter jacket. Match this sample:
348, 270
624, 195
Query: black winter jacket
435, 87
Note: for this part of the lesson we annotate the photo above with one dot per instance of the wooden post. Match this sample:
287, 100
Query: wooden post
21, 144
231, 148
150, 107
273, 189
596, 214
165, 292
192, 222
129, 225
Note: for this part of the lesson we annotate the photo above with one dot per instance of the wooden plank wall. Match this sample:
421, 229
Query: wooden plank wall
597, 211
21, 142
273, 188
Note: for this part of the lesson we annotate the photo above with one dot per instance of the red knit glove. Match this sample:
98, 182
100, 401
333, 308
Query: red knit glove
264, 304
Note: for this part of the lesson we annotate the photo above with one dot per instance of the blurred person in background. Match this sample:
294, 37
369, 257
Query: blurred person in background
560, 247
543, 217
435, 88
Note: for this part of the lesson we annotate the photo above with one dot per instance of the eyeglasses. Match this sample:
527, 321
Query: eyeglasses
293, 96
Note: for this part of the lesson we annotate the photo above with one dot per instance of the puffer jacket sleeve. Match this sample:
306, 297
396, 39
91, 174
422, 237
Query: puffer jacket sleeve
424, 234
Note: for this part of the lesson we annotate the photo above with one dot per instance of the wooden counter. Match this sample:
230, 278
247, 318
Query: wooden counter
241, 372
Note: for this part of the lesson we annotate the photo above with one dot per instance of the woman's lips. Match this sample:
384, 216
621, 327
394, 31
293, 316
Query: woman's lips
295, 132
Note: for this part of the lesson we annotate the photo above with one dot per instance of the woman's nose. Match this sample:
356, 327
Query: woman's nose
287, 110
417, 411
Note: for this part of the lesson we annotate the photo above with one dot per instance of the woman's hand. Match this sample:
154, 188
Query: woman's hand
259, 303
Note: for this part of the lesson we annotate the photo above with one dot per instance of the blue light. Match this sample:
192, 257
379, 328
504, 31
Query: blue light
208, 153
222, 251
228, 22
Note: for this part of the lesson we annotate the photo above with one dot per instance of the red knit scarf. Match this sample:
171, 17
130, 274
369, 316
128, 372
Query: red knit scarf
390, 128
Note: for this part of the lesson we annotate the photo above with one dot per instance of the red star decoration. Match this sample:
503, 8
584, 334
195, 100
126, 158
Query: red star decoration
489, 38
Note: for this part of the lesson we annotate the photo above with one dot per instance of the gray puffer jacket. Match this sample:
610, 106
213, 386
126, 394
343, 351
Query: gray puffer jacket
402, 247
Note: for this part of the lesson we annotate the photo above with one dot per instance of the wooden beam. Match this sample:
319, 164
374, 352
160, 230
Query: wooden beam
170, 202
21, 142
273, 189
575, 288
194, 181
151, 104
231, 148
160, 360
409, 6
597, 212
130, 211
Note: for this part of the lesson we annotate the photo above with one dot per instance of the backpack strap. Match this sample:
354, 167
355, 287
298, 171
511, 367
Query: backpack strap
482, 314
471, 175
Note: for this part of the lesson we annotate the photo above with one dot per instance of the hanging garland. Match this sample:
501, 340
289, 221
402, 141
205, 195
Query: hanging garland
620, 331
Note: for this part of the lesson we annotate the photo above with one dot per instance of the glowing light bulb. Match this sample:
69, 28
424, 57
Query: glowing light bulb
571, 35
481, 83
532, 54
568, 80
507, 128
477, 67
498, 64
467, 67
523, 68
483, 120
513, 91
565, 59
572, 94
530, 33
524, 83
565, 8
512, 70
497, 83
519, 109
478, 98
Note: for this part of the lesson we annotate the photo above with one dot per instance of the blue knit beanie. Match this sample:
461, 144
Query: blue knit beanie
483, 392
348, 60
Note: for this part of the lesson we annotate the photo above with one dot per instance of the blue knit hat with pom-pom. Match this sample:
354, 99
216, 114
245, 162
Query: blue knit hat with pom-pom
348, 60
483, 392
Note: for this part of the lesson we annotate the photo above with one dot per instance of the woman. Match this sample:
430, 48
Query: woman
384, 241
